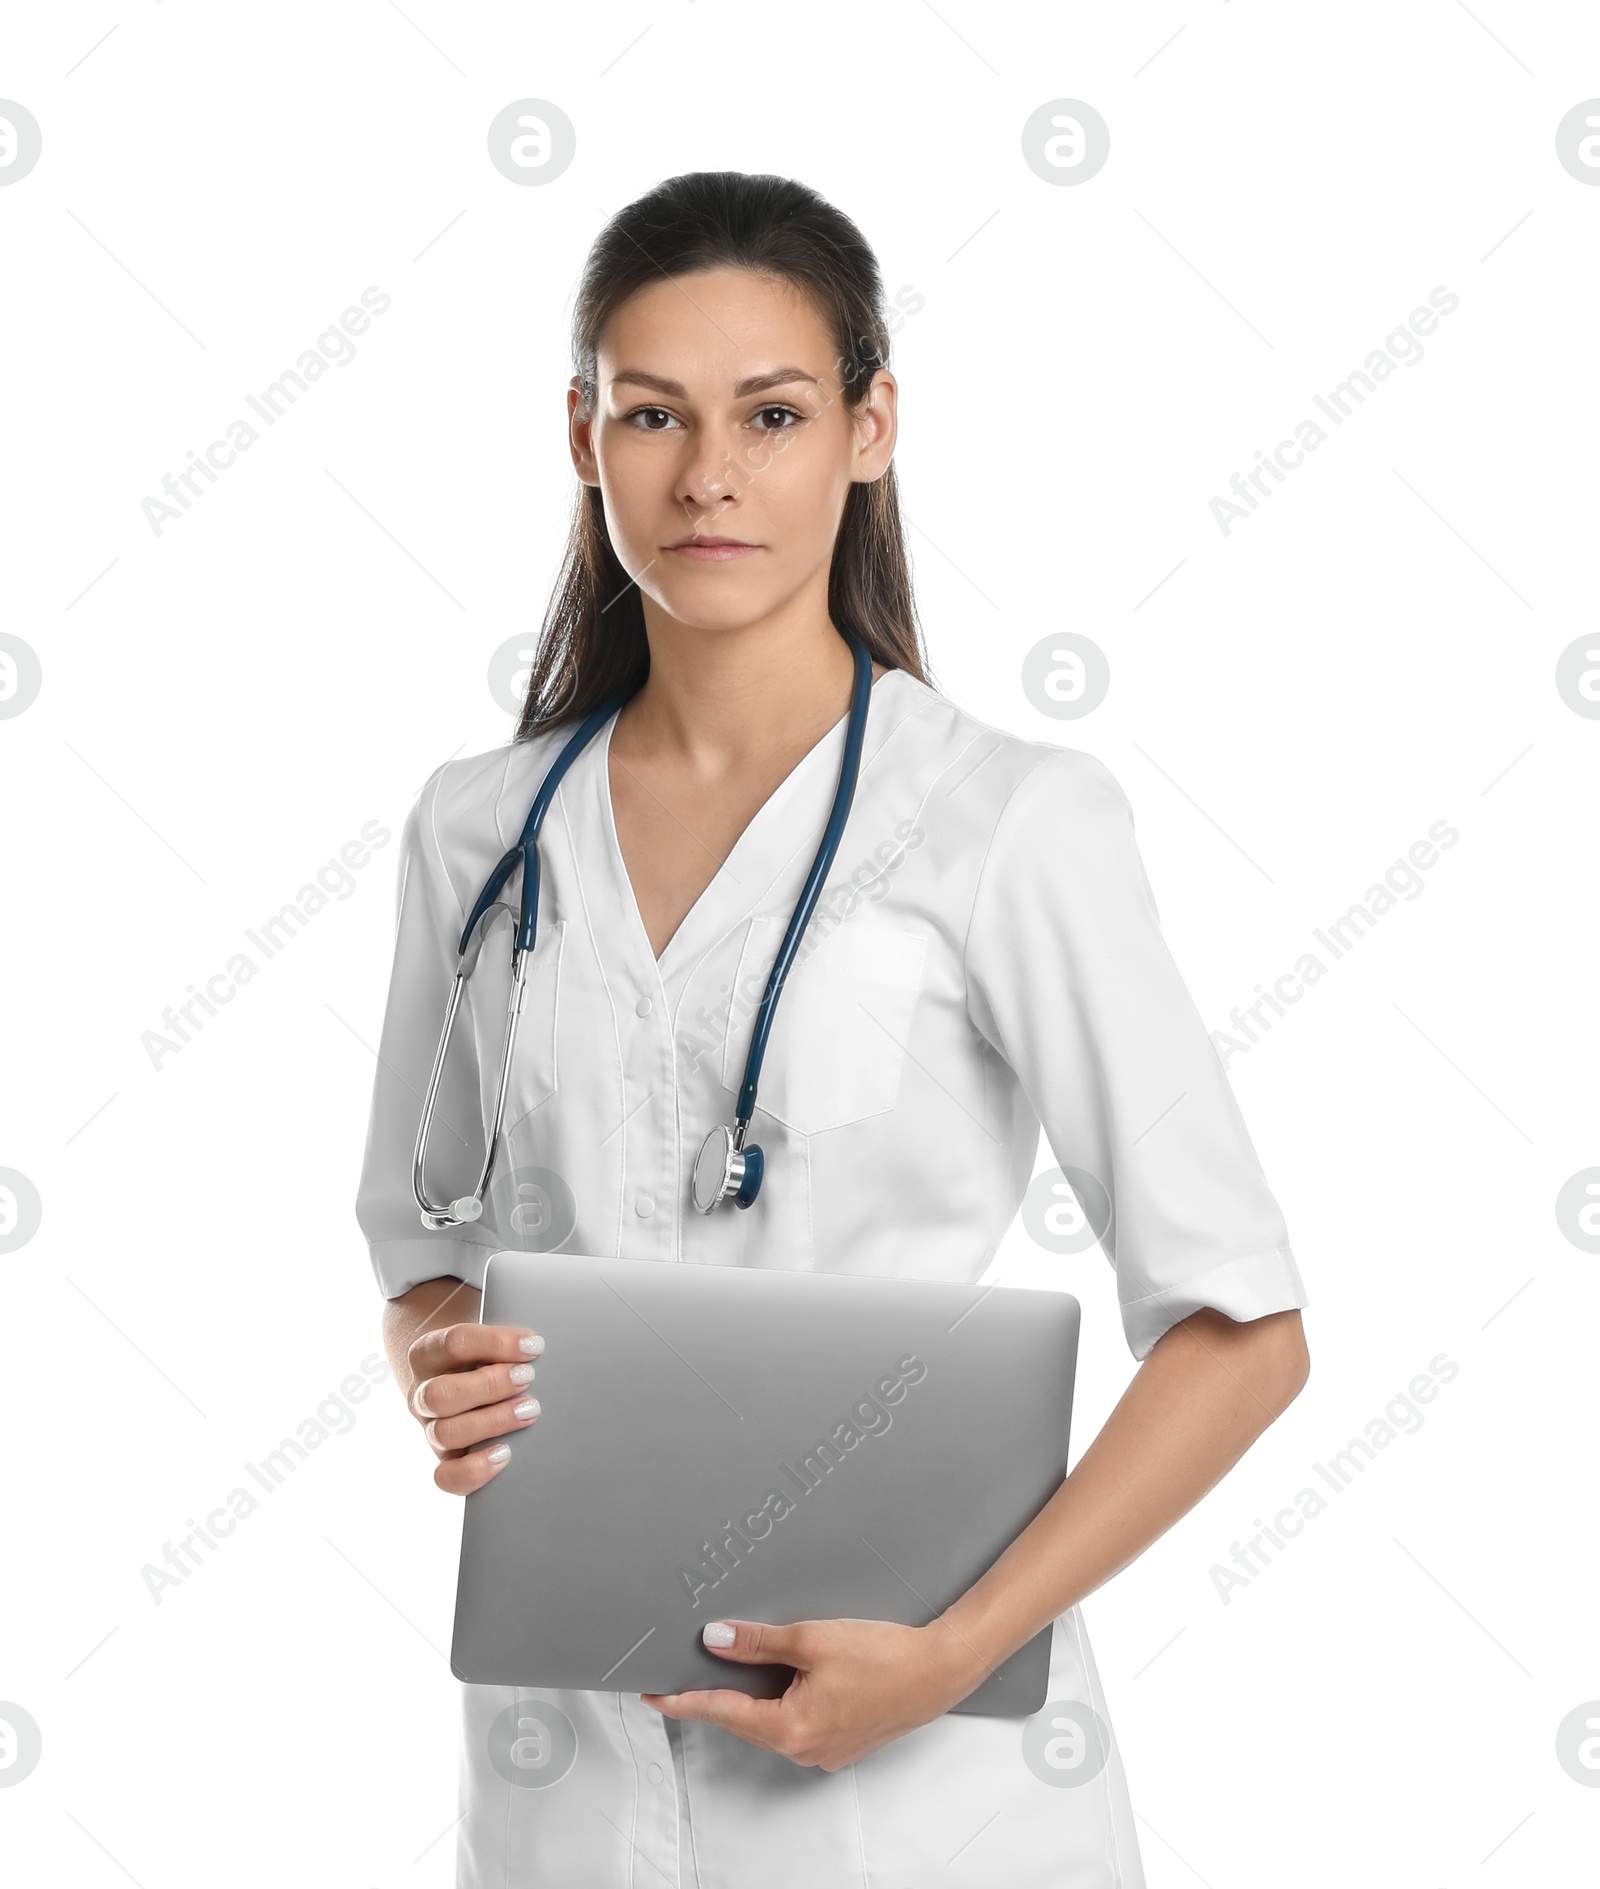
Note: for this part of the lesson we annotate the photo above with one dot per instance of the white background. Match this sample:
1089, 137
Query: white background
1291, 707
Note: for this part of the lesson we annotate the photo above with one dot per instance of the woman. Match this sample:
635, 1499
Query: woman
733, 427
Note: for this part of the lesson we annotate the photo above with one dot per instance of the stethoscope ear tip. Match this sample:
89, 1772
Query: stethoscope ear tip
458, 1213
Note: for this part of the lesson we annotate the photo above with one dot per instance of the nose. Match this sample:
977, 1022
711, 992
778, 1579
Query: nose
706, 486
711, 475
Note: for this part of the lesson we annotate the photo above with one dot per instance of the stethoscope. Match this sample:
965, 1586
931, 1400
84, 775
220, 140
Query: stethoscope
725, 1168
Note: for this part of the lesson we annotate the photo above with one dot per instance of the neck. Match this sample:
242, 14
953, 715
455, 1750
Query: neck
723, 698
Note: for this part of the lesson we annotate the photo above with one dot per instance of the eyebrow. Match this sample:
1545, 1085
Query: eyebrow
756, 383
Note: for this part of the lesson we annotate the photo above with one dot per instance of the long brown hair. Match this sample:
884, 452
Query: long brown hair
593, 640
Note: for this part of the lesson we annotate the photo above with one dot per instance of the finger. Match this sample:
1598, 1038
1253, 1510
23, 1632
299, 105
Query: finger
460, 1475
754, 1642
756, 1721
458, 1347
454, 1391
451, 1435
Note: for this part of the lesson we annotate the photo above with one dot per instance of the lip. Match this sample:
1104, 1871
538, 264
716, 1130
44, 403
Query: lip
709, 550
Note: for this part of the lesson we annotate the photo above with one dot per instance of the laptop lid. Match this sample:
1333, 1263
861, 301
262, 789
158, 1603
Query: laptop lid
770, 1445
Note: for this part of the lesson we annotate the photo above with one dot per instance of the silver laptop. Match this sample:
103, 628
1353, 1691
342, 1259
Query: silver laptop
779, 1446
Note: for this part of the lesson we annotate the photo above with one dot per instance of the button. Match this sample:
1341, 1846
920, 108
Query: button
644, 1206
654, 1773
642, 1007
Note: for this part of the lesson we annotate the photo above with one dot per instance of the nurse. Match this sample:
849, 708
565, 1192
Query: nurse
986, 959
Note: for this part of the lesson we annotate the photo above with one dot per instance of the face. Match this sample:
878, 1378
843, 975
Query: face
720, 415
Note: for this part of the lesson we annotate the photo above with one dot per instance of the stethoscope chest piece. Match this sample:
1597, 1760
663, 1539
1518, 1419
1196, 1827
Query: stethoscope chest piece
725, 1169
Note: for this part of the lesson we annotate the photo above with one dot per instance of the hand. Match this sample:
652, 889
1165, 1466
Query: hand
470, 1382
857, 1685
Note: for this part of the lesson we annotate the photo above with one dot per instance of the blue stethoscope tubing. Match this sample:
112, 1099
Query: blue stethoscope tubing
725, 1168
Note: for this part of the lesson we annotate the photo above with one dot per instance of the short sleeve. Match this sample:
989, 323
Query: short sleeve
1071, 980
428, 921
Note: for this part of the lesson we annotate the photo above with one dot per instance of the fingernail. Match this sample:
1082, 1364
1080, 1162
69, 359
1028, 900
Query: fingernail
717, 1633
533, 1344
529, 1407
499, 1453
521, 1374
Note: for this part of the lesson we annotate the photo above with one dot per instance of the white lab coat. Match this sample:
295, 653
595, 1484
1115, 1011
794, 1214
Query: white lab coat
986, 957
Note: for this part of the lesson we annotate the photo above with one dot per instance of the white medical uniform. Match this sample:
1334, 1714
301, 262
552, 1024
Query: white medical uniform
986, 957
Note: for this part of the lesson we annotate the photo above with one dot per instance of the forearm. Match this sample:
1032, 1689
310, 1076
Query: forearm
1200, 1399
425, 1307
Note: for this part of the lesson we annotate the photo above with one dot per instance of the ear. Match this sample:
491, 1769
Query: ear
580, 428
877, 427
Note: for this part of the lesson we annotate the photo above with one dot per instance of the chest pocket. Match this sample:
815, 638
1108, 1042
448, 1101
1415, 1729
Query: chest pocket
533, 1064
835, 1051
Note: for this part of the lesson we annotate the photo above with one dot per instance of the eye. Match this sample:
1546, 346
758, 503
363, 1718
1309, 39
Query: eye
761, 412
659, 412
